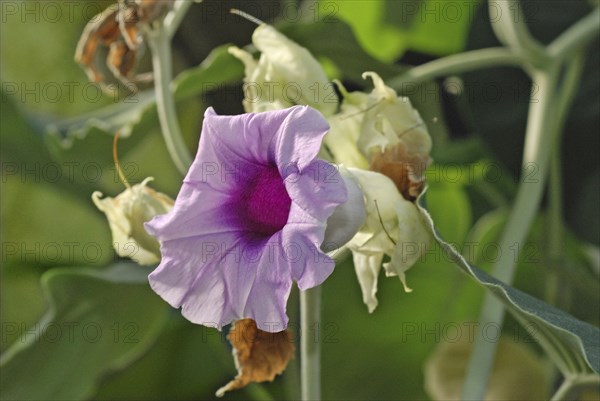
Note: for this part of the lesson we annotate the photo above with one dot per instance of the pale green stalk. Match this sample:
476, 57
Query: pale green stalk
456, 64
508, 21
524, 210
174, 18
310, 344
158, 38
546, 118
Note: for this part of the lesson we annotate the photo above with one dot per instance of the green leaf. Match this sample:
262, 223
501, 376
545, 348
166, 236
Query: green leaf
42, 225
198, 360
21, 144
97, 321
449, 204
386, 29
218, 68
572, 344
21, 300
350, 59
38, 41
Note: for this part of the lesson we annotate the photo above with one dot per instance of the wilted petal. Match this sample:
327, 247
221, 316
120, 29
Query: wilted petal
367, 267
285, 75
414, 239
393, 227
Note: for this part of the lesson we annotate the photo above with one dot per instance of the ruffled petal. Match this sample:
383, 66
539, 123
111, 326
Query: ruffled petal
196, 212
310, 266
267, 300
193, 265
318, 189
289, 138
218, 279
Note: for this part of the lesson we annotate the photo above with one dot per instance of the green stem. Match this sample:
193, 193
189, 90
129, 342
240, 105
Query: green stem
572, 387
538, 142
555, 202
456, 64
576, 36
310, 345
508, 22
547, 114
160, 45
555, 233
174, 18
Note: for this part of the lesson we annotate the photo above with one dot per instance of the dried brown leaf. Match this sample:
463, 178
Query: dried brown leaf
128, 19
118, 29
122, 61
259, 355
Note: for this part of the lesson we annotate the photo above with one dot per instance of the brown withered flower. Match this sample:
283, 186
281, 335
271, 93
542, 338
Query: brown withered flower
395, 139
118, 29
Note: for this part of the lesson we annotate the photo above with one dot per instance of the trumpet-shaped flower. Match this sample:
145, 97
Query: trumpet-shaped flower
286, 74
250, 218
126, 216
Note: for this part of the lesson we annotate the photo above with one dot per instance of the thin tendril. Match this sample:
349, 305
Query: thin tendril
116, 160
247, 16
382, 225
406, 131
363, 111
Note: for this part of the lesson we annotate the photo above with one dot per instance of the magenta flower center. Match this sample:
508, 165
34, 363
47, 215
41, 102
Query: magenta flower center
265, 202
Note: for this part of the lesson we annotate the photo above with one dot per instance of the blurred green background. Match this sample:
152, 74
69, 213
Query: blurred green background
80, 323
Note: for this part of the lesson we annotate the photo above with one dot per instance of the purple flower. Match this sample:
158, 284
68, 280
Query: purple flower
249, 219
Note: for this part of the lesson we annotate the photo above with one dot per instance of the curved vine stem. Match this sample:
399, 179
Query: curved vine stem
578, 35
508, 21
174, 18
555, 201
456, 64
160, 45
523, 212
546, 118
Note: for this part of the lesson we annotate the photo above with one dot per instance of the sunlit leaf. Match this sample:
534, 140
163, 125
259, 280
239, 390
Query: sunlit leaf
350, 59
574, 345
44, 225
386, 29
